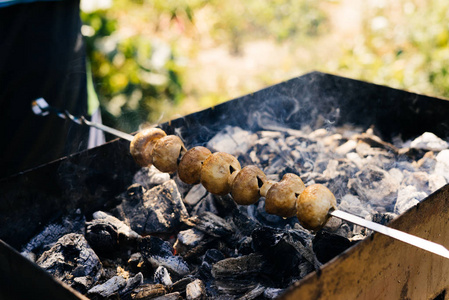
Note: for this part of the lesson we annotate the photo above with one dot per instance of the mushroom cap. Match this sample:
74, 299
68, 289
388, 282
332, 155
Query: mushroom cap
281, 197
245, 188
189, 168
166, 152
266, 187
142, 145
313, 206
216, 170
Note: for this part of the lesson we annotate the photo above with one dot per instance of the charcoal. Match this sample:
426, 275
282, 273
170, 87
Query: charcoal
375, 186
283, 253
207, 204
193, 254
135, 262
212, 225
239, 266
181, 284
225, 205
243, 222
272, 293
159, 210
159, 253
196, 290
108, 288
195, 194
150, 177
408, 197
131, 284
245, 245
73, 223
171, 296
82, 283
376, 142
272, 220
148, 291
210, 257
72, 257
162, 276
229, 287
253, 293
125, 233
102, 236
327, 245
188, 239
383, 218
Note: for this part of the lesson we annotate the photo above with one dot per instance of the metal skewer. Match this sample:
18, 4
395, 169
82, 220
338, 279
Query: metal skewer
41, 107
394, 233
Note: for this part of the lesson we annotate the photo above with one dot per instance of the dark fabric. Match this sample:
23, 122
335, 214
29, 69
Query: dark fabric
41, 55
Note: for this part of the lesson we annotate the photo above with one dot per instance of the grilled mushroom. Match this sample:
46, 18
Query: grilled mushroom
216, 170
281, 197
142, 145
189, 169
166, 152
245, 188
313, 206
266, 187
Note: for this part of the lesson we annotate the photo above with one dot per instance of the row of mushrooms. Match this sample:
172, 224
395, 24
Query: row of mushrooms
220, 173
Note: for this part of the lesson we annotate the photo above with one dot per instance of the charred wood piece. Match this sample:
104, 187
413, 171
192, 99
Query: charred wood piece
72, 257
158, 210
158, 252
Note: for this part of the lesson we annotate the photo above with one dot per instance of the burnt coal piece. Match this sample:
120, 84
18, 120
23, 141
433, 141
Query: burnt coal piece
72, 261
158, 210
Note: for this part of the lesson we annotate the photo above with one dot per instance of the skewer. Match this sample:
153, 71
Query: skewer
42, 108
394, 233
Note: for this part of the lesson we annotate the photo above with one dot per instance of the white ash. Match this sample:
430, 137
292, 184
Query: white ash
108, 288
429, 141
442, 164
150, 177
232, 140
122, 228
407, 198
349, 162
195, 194
161, 275
195, 290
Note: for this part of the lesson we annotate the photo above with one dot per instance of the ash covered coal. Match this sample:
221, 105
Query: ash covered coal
169, 240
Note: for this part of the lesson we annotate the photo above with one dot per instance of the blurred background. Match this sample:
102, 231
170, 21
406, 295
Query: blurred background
155, 60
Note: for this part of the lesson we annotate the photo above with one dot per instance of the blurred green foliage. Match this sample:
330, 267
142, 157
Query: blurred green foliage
405, 45
141, 50
131, 73
136, 74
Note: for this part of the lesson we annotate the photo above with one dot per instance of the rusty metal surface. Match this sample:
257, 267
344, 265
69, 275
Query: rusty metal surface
382, 268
